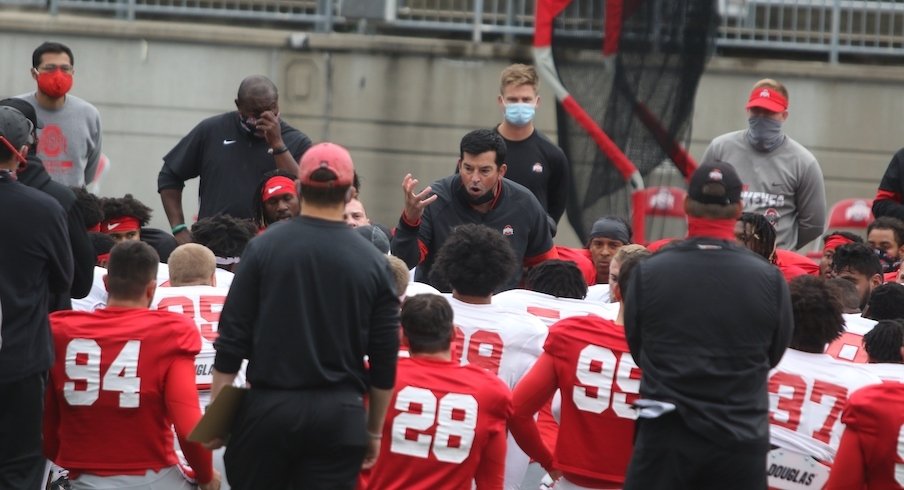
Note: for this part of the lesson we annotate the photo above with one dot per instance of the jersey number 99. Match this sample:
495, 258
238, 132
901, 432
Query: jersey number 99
605, 380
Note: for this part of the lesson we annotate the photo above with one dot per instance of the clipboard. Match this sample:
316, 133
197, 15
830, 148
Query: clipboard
218, 419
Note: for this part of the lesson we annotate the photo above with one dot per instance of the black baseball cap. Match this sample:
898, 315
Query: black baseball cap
715, 183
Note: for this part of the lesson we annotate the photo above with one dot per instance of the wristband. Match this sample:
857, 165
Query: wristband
374, 436
179, 228
278, 151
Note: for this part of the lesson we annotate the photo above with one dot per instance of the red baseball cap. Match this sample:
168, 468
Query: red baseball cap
329, 156
767, 98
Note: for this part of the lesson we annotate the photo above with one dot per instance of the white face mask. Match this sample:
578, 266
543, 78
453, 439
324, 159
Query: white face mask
520, 113
765, 134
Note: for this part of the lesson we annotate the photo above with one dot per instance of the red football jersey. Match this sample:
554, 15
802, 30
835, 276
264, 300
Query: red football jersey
599, 381
445, 428
587, 359
106, 412
871, 455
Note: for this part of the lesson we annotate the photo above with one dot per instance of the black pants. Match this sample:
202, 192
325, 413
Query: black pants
312, 440
21, 422
668, 455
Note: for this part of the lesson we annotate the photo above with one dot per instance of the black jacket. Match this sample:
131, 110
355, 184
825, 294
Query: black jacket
705, 320
35, 176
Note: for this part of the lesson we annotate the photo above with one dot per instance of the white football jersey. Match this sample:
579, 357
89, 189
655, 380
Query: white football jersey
506, 342
97, 297
203, 305
598, 293
887, 371
807, 393
550, 309
849, 346
222, 276
415, 288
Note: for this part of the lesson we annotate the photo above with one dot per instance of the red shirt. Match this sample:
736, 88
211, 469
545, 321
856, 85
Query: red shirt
871, 454
787, 258
122, 378
445, 428
588, 360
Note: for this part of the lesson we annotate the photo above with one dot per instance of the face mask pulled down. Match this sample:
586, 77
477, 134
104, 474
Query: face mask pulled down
765, 134
519, 114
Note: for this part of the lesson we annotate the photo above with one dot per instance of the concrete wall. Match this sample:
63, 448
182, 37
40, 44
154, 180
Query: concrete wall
401, 105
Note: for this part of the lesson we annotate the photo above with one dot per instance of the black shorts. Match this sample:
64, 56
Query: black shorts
314, 439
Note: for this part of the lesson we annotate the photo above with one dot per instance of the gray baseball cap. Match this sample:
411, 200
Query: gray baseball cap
15, 128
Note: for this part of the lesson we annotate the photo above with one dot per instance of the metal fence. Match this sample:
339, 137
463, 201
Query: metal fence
830, 28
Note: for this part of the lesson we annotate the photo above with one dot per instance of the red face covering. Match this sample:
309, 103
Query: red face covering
722, 229
55, 84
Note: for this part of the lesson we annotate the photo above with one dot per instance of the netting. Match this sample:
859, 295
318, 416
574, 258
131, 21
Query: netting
642, 97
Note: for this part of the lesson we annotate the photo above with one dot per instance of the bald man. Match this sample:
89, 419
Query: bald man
230, 152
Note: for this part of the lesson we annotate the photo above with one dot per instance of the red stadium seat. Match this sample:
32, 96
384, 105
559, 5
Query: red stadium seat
655, 201
852, 213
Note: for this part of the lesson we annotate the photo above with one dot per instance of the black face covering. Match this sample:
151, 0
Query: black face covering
250, 130
462, 192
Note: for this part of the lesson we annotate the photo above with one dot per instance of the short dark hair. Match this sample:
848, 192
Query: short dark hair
224, 235
89, 205
883, 343
846, 292
50, 47
256, 86
559, 278
698, 209
115, 207
475, 260
856, 257
133, 264
762, 242
888, 223
427, 323
886, 302
817, 314
481, 141
323, 196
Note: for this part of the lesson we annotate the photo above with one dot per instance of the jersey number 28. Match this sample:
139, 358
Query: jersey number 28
453, 419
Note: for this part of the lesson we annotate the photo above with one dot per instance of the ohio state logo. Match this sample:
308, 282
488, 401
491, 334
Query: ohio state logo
772, 216
52, 142
508, 230
859, 211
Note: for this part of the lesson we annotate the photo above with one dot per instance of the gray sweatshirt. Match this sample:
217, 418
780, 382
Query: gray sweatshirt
69, 144
785, 185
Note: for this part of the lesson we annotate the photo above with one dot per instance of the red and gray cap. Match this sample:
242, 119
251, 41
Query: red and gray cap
328, 156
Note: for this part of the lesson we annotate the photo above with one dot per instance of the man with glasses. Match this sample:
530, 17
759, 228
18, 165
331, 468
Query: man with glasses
230, 152
69, 145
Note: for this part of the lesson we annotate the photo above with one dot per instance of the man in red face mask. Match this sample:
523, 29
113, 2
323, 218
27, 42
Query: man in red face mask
69, 143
